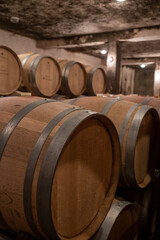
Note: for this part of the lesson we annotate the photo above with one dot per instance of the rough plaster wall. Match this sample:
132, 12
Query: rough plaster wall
21, 44
144, 80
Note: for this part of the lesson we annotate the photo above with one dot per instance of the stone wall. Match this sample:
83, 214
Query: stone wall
21, 44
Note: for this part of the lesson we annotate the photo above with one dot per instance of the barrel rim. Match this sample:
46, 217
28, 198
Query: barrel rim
33, 159
117, 208
65, 74
90, 81
35, 65
130, 180
32, 71
130, 151
8, 130
44, 215
20, 70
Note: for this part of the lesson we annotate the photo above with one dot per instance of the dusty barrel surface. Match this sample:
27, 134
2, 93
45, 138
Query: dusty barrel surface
57, 162
74, 78
41, 74
120, 223
10, 71
96, 80
138, 128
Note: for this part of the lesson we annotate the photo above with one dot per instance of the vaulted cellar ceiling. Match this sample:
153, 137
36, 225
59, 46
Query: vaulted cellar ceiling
47, 19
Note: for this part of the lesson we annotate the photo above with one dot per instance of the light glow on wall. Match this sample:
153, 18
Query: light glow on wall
157, 76
157, 80
110, 59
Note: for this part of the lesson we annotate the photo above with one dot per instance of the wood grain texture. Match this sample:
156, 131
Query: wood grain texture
120, 222
96, 80
148, 100
147, 203
140, 155
10, 71
86, 174
41, 74
74, 78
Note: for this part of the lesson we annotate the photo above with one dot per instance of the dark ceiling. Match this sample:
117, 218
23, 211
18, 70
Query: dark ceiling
47, 19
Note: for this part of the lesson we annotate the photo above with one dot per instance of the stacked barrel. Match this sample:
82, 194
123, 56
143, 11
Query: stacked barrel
81, 168
74, 78
120, 222
96, 80
59, 168
138, 127
41, 74
44, 76
10, 71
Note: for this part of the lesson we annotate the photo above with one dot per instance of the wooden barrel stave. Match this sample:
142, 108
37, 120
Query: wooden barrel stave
146, 201
150, 101
137, 125
96, 81
74, 78
144, 100
121, 222
17, 207
10, 71
41, 74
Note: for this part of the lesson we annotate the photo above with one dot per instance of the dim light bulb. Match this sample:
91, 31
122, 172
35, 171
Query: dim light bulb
103, 51
143, 65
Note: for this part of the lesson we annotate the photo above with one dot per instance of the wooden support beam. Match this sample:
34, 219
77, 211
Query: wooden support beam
69, 43
139, 34
145, 34
138, 61
113, 67
124, 63
140, 49
80, 45
157, 80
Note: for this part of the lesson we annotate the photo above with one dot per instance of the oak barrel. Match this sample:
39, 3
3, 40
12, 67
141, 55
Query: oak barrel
149, 100
139, 133
57, 162
41, 74
121, 222
10, 71
147, 205
96, 80
74, 78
